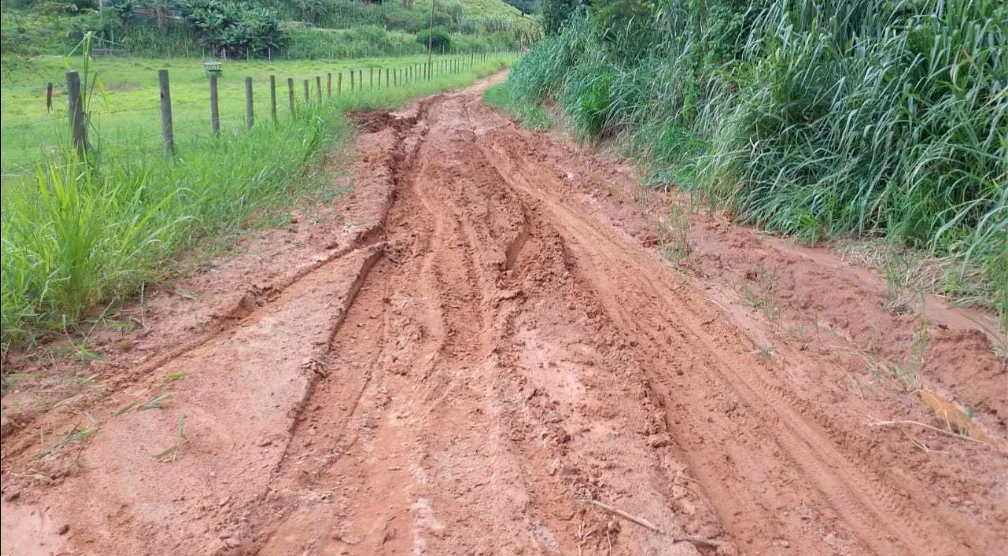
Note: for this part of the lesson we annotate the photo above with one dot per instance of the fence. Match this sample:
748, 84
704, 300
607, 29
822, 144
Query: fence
384, 78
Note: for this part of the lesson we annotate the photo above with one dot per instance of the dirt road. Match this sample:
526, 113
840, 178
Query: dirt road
484, 349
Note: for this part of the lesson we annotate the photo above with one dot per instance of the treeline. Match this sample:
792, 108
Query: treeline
815, 118
265, 28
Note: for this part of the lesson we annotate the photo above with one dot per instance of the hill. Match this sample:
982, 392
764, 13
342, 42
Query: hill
267, 28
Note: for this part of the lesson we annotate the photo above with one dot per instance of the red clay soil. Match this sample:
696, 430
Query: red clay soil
484, 348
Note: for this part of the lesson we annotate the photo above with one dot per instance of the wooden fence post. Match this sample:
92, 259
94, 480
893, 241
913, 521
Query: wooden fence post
273, 110
214, 107
339, 83
360, 79
379, 78
75, 109
166, 119
290, 93
307, 99
328, 83
351, 81
386, 78
371, 77
249, 112
318, 87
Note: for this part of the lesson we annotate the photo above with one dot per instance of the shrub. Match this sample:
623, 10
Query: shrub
123, 9
556, 13
235, 28
437, 39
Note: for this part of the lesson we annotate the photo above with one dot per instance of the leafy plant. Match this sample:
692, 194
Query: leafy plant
437, 38
123, 9
235, 29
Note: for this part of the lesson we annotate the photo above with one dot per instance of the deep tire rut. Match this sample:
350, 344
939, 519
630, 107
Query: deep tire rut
485, 366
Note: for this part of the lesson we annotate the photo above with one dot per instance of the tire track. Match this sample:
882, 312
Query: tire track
483, 366
880, 518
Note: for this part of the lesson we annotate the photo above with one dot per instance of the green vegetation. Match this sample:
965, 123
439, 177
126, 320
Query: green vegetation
126, 111
531, 113
80, 234
265, 28
820, 120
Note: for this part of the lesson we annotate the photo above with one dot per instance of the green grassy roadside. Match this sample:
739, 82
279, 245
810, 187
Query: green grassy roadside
74, 237
773, 116
531, 114
127, 111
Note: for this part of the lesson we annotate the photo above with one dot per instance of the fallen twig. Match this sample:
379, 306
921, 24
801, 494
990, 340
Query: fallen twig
652, 527
629, 517
880, 423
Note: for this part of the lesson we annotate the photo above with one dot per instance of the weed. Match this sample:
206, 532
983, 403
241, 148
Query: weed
158, 402
763, 298
531, 113
125, 409
673, 233
74, 435
802, 335
170, 454
908, 370
174, 377
895, 288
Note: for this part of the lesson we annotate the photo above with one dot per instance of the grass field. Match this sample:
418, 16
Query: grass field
128, 113
76, 235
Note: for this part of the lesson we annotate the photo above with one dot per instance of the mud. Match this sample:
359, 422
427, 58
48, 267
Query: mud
488, 347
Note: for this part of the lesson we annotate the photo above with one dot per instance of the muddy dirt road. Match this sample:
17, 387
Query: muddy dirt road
483, 348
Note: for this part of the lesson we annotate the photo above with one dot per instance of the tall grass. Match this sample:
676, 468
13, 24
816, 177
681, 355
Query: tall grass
816, 119
76, 234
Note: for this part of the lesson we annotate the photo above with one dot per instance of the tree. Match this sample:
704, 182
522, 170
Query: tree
526, 7
556, 13
123, 9
310, 9
618, 16
163, 9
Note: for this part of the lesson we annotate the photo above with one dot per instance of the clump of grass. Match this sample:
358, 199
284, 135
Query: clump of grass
908, 370
673, 233
532, 114
763, 296
171, 454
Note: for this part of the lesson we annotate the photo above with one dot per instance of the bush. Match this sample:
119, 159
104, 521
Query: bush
437, 39
556, 13
586, 94
369, 40
235, 29
123, 9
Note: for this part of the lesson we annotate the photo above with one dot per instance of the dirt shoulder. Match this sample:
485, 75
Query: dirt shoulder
498, 342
